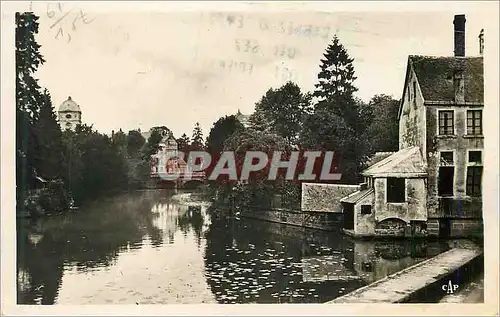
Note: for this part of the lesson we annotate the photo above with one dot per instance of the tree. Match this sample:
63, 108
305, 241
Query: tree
335, 87
28, 59
197, 139
48, 157
282, 111
383, 128
95, 162
222, 130
135, 142
153, 144
28, 99
336, 123
119, 142
183, 143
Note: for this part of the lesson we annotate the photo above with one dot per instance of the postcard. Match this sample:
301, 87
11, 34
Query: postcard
249, 158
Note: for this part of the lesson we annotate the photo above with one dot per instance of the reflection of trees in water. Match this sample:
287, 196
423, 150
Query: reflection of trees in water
256, 261
192, 217
250, 261
91, 237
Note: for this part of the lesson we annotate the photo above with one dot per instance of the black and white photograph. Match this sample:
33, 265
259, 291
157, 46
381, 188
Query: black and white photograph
317, 157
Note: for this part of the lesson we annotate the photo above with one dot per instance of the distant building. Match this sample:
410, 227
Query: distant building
167, 160
432, 185
69, 114
243, 119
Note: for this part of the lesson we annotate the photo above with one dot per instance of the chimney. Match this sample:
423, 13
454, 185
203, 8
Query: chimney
459, 23
481, 42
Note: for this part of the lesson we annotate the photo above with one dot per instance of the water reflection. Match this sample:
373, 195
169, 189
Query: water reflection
251, 261
149, 248
92, 239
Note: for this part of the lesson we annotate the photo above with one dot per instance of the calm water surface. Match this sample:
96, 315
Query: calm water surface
150, 247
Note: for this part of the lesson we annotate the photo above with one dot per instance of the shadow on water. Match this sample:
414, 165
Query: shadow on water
251, 261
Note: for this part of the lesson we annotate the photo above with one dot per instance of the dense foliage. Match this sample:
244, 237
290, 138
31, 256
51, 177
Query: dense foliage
56, 168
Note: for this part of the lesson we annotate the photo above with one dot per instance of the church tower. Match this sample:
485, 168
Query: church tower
69, 115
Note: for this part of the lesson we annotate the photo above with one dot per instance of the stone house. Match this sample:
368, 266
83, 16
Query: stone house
432, 185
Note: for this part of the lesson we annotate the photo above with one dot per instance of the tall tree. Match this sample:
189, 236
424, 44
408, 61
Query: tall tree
197, 139
48, 157
183, 143
335, 87
222, 130
135, 142
336, 122
282, 111
28, 99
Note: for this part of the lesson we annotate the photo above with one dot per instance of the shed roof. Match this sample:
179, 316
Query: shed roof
435, 77
404, 163
357, 196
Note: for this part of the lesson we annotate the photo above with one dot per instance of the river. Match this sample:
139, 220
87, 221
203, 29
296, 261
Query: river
151, 247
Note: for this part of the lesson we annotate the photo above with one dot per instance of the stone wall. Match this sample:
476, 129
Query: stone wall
466, 228
432, 228
315, 220
412, 120
390, 227
325, 197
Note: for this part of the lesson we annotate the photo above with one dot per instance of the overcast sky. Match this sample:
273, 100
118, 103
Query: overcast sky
137, 69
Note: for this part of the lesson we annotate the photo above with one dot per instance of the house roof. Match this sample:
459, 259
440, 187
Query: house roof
404, 163
378, 156
435, 77
357, 196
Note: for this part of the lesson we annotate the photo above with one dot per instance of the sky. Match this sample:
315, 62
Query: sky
134, 69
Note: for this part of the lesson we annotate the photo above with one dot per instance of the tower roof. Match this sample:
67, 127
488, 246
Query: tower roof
69, 105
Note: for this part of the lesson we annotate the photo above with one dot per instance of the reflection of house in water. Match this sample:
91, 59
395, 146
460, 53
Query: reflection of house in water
170, 218
432, 185
374, 260
326, 268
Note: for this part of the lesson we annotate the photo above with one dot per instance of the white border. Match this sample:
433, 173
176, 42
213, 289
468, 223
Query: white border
491, 168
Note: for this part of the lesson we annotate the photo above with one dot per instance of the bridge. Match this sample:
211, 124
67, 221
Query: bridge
184, 180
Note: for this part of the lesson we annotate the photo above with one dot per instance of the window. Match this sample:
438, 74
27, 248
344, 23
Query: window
395, 190
68, 116
474, 122
474, 174
446, 122
366, 209
446, 158
445, 181
475, 157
